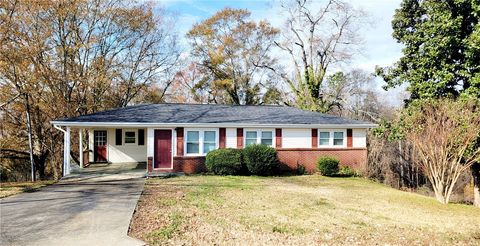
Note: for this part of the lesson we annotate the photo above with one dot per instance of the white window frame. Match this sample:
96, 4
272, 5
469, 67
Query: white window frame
330, 142
329, 138
201, 135
259, 136
125, 137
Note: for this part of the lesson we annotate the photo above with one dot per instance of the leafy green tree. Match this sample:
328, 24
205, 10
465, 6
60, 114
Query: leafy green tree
441, 57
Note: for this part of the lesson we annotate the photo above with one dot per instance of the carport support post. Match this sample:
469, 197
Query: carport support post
80, 146
66, 152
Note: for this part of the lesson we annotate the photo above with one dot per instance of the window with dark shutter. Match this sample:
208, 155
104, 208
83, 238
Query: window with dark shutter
118, 136
141, 137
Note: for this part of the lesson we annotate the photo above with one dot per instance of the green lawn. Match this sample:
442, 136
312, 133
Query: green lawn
12, 188
295, 210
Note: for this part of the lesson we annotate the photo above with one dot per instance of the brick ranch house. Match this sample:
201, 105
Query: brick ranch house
176, 137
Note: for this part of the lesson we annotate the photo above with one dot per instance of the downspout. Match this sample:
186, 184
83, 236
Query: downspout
59, 128
64, 163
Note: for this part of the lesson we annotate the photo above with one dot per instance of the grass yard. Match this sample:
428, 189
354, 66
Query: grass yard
296, 210
12, 188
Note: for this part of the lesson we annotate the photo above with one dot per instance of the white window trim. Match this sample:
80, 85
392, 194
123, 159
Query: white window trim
125, 137
330, 141
329, 138
259, 136
201, 134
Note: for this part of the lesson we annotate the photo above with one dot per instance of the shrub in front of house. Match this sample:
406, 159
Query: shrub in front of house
260, 159
346, 171
224, 161
328, 166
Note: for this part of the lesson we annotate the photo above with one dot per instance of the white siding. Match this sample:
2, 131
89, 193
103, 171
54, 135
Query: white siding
231, 138
359, 138
125, 152
296, 138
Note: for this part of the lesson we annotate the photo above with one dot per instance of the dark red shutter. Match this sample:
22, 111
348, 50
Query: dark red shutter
349, 138
314, 138
222, 137
141, 136
239, 138
278, 138
118, 136
180, 134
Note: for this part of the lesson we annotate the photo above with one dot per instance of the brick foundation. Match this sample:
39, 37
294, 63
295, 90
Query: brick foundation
290, 159
182, 164
189, 164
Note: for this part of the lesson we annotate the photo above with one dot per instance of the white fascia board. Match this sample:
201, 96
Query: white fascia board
206, 125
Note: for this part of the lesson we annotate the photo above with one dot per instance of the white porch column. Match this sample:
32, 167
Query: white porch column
90, 146
150, 141
80, 146
66, 152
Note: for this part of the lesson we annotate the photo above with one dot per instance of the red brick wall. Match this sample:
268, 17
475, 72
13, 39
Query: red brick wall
189, 164
183, 164
290, 159
150, 164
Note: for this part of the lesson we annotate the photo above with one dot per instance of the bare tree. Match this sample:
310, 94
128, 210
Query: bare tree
443, 134
318, 36
188, 87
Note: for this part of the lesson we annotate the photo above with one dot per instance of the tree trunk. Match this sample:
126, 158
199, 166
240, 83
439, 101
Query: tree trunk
440, 197
439, 188
30, 144
400, 162
476, 184
40, 164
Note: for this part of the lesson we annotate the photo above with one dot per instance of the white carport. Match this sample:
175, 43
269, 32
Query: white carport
113, 139
67, 148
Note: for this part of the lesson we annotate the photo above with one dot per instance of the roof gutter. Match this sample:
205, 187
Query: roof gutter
170, 125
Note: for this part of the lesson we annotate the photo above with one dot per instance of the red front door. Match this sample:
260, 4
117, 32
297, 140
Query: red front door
163, 149
100, 146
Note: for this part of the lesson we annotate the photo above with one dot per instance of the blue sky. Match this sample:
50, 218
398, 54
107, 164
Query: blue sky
379, 46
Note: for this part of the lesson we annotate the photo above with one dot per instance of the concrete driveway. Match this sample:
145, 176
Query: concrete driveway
90, 207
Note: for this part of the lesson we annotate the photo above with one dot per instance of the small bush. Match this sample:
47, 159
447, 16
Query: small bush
346, 171
224, 161
328, 166
260, 159
301, 170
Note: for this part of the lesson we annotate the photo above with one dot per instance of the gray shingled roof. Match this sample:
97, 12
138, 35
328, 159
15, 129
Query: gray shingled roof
211, 113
